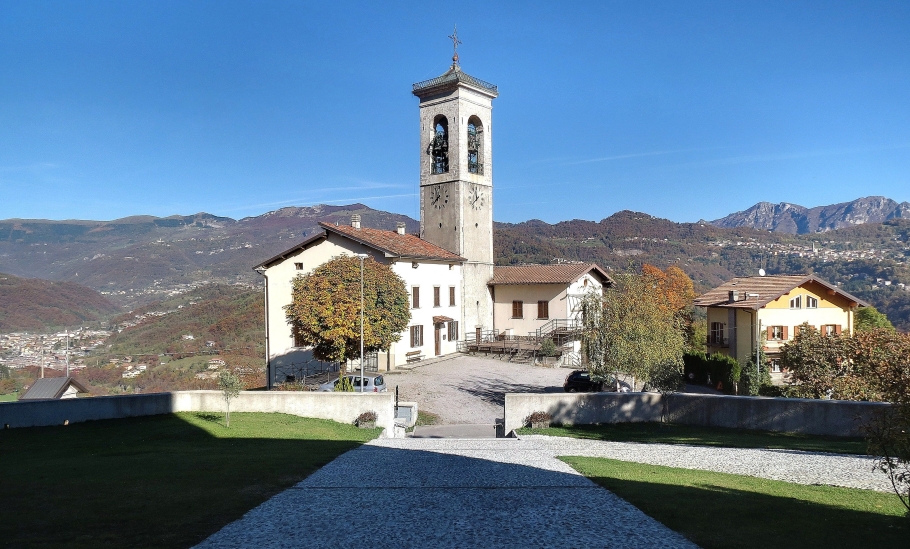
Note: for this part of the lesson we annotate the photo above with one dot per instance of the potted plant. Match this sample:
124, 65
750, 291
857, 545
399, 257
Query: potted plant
366, 420
539, 420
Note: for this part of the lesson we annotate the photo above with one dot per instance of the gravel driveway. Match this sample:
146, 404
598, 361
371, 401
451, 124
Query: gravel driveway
469, 389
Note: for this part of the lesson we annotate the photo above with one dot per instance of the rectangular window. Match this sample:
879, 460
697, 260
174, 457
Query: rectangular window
811, 302
796, 302
453, 330
298, 266
716, 334
451, 296
543, 309
415, 297
775, 365
518, 309
298, 339
417, 336
831, 329
436, 298
776, 333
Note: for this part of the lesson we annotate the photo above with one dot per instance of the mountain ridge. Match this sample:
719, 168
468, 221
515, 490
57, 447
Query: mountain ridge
791, 218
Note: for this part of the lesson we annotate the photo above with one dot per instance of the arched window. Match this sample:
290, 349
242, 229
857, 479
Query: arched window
475, 146
438, 149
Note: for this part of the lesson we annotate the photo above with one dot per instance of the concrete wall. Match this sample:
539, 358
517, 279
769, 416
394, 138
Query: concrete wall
344, 408
817, 417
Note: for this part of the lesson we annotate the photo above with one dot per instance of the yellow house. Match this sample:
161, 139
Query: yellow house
768, 310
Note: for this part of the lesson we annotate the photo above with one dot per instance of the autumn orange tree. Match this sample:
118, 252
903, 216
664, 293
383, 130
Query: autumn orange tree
675, 293
325, 309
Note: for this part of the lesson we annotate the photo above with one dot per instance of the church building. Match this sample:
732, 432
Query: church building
447, 268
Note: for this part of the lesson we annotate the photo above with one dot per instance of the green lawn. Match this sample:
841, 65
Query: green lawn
157, 481
12, 397
706, 436
718, 510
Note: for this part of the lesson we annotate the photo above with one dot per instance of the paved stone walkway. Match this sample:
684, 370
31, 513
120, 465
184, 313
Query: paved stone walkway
401, 493
849, 471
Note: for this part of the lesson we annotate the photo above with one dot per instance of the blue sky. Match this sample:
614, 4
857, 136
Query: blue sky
683, 110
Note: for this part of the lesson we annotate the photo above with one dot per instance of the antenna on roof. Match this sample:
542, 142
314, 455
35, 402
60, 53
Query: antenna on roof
761, 272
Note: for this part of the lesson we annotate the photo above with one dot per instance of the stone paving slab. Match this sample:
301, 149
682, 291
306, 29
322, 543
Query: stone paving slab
446, 493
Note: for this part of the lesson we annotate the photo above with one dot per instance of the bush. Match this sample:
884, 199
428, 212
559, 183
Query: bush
538, 419
719, 368
752, 384
366, 418
547, 347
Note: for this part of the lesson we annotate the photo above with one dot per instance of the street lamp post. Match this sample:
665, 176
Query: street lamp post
362, 257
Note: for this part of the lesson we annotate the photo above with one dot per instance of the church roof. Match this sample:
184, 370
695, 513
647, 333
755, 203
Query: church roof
407, 246
452, 77
754, 292
392, 244
546, 274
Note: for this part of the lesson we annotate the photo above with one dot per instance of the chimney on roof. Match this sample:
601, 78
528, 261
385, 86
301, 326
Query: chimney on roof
400, 227
734, 296
355, 221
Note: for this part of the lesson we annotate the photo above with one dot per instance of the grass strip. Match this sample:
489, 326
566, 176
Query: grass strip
720, 510
704, 436
156, 481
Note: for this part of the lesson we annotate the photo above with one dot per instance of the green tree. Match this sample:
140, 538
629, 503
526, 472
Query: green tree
631, 329
817, 364
667, 378
869, 318
325, 310
882, 356
230, 386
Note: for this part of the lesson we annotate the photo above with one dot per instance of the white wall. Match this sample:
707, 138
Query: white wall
426, 276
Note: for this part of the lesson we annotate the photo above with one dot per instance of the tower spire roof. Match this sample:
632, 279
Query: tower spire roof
453, 76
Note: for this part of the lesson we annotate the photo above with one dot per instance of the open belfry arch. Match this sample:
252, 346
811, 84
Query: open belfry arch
456, 180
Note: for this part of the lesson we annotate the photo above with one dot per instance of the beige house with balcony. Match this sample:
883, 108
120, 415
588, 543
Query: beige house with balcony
528, 297
768, 310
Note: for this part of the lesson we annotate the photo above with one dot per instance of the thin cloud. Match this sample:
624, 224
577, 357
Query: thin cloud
638, 155
29, 167
745, 159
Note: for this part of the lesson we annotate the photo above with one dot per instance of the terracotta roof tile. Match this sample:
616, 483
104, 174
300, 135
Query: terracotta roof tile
768, 288
545, 274
401, 245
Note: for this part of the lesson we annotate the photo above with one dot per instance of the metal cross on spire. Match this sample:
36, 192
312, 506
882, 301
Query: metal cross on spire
455, 42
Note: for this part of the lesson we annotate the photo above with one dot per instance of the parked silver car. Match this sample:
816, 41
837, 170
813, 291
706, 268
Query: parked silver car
372, 384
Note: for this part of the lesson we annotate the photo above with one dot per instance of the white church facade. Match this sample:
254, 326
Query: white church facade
448, 268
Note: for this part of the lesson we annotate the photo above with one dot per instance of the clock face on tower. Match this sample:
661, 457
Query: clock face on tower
439, 196
475, 197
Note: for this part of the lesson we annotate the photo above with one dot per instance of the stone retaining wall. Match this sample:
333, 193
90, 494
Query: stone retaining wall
795, 415
341, 407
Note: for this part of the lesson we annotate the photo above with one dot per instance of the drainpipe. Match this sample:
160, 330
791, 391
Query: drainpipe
268, 355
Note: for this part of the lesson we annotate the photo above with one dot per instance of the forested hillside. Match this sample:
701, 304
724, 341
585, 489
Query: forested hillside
31, 304
230, 317
869, 260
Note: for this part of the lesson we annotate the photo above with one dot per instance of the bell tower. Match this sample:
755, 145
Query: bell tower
456, 180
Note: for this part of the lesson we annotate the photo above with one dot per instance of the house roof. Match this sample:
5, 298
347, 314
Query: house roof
51, 388
390, 243
546, 274
766, 288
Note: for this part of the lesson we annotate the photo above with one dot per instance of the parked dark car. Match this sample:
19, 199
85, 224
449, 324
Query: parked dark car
580, 381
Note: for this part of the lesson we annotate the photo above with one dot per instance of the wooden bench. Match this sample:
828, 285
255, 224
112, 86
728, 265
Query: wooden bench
414, 356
